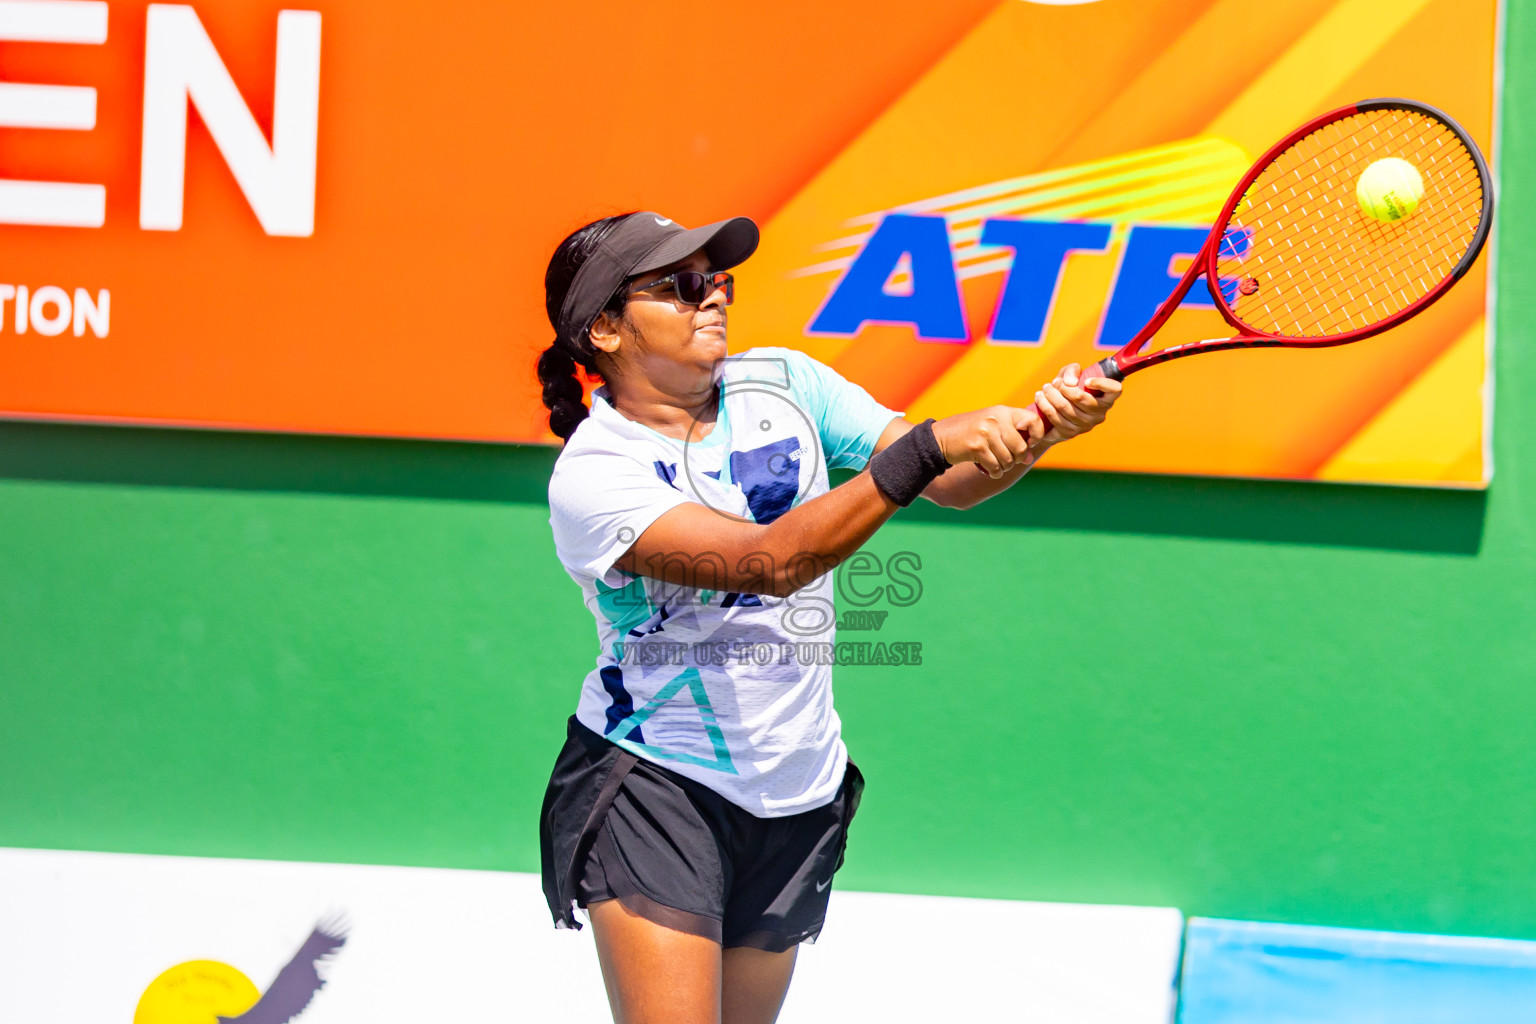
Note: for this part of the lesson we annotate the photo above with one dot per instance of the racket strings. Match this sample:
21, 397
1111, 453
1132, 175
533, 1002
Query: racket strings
1354, 277
1376, 231
1346, 277
1379, 232
1304, 260
1431, 254
1416, 275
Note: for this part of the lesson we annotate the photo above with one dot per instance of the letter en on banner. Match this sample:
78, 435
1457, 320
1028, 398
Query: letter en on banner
181, 64
69, 107
98, 313
932, 304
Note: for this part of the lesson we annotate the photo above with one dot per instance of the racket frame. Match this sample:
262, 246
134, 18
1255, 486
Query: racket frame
1127, 360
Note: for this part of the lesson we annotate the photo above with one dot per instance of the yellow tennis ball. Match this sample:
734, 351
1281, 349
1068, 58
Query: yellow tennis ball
1390, 189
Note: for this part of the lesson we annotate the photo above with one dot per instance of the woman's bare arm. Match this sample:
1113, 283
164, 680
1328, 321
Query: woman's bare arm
695, 546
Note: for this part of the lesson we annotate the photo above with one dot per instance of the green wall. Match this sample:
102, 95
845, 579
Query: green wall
1287, 702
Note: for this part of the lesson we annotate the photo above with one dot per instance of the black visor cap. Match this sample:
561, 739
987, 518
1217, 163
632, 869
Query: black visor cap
643, 242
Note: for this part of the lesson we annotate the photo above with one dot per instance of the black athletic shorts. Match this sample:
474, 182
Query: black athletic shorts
677, 853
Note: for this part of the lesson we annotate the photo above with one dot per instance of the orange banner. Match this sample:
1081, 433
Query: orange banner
336, 219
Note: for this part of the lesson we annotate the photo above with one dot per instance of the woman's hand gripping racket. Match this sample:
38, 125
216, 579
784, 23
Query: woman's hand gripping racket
1350, 225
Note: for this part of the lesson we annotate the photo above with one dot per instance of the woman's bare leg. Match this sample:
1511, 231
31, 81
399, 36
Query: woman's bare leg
755, 984
654, 974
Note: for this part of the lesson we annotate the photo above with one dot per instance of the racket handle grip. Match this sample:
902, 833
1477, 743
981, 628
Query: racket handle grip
1106, 367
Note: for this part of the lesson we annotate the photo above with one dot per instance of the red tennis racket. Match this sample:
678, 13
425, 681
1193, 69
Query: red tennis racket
1295, 261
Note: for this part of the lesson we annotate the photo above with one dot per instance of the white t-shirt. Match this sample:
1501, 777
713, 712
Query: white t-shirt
731, 690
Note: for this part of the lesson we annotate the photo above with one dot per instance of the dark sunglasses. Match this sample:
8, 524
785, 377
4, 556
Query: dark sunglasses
694, 287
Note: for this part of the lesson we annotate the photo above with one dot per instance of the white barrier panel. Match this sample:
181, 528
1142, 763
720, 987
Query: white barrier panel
85, 935
88, 938
938, 960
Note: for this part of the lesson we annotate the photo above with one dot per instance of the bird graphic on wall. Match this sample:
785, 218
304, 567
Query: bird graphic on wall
296, 984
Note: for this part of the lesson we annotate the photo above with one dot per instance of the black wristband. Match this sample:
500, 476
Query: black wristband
909, 464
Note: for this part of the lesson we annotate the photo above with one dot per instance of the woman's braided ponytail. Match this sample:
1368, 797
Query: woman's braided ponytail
563, 392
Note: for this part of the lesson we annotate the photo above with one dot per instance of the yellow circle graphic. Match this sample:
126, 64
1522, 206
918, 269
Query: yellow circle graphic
196, 992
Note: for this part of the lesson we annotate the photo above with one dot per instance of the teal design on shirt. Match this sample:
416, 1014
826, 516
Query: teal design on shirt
848, 419
688, 678
625, 607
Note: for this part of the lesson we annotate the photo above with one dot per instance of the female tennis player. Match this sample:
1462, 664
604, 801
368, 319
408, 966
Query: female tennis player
701, 802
